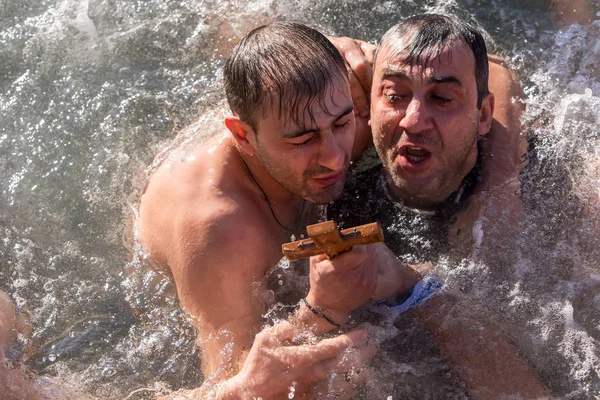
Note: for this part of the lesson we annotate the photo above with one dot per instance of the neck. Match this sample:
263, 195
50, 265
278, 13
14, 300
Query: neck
286, 208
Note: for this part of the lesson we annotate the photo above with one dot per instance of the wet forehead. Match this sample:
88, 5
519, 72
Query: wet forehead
316, 113
454, 60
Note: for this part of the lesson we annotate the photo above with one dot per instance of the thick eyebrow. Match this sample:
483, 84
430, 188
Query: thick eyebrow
394, 73
398, 74
294, 134
445, 79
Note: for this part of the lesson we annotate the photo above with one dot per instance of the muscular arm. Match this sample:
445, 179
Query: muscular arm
218, 266
217, 252
569, 12
483, 356
503, 149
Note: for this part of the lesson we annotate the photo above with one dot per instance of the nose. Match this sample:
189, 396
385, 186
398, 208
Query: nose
416, 118
331, 154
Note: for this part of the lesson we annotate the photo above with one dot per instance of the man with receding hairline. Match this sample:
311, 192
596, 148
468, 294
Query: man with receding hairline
430, 109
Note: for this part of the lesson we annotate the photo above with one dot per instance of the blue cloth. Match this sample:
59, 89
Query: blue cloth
423, 290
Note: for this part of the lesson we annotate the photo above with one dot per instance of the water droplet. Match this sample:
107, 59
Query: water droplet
109, 371
291, 395
280, 282
51, 357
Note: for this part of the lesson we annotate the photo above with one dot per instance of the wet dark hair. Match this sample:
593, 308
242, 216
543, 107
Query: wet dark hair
420, 39
283, 62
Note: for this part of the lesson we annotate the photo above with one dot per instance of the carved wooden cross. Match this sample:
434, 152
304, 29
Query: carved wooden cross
325, 237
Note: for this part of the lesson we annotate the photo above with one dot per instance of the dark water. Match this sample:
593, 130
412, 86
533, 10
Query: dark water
92, 90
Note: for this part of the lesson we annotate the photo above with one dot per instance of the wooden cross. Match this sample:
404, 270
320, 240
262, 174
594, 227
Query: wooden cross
325, 237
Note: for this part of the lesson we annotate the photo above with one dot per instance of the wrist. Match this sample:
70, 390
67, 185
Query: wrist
338, 317
230, 389
317, 319
408, 278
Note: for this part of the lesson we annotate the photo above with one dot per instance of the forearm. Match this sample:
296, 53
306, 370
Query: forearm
484, 358
226, 390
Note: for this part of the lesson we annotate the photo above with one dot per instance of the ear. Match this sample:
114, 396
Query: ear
243, 134
486, 114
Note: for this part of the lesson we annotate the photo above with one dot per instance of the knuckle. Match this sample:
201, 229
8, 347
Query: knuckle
360, 66
289, 360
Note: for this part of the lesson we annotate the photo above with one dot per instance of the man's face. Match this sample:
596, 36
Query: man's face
310, 158
425, 122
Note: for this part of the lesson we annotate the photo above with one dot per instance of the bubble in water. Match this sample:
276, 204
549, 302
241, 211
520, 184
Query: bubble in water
51, 357
108, 371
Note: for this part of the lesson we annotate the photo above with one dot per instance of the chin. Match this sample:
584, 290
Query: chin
419, 193
328, 195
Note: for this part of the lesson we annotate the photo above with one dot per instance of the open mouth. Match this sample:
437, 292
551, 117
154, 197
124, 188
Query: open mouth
415, 154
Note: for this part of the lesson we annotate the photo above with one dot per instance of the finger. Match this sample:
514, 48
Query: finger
359, 96
318, 258
372, 272
350, 260
283, 331
361, 66
321, 370
368, 50
331, 348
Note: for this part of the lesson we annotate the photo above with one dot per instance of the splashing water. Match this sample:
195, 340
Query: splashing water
93, 92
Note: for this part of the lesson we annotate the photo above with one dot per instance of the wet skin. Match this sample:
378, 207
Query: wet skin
425, 122
307, 156
214, 219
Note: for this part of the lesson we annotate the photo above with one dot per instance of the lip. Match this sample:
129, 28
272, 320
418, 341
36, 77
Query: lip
414, 164
328, 180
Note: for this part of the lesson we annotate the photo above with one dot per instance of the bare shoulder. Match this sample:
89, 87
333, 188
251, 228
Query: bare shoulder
504, 146
190, 203
503, 81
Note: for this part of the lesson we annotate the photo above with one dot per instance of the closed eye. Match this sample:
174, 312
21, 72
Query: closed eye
441, 100
342, 126
307, 138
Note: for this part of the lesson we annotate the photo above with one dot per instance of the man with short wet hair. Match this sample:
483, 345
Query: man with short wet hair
215, 218
431, 111
238, 197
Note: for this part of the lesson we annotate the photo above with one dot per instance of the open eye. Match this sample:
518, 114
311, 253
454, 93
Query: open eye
393, 98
